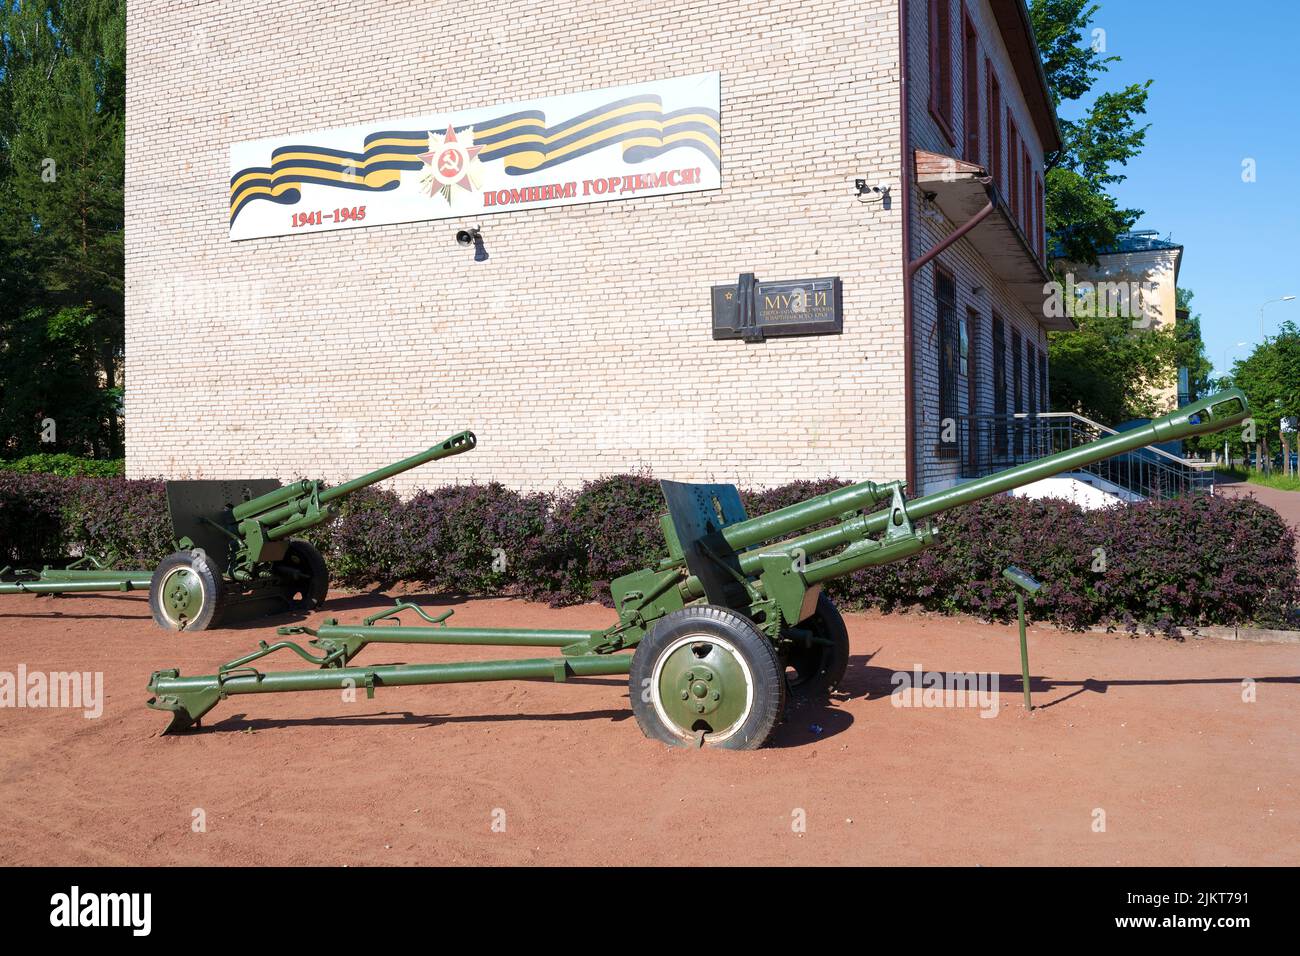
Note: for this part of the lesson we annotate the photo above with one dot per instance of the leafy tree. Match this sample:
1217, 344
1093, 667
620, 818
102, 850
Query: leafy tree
1105, 370
1190, 354
1109, 371
1191, 347
62, 109
1270, 377
1080, 211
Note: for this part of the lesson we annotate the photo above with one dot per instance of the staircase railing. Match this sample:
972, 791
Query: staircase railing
988, 443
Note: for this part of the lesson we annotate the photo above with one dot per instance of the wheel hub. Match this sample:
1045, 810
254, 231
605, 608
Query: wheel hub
182, 593
703, 681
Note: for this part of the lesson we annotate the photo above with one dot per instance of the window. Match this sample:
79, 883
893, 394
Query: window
970, 86
964, 350
970, 335
999, 385
1042, 380
1017, 383
1040, 234
1017, 379
993, 115
941, 65
1027, 204
1031, 361
1013, 167
970, 354
945, 296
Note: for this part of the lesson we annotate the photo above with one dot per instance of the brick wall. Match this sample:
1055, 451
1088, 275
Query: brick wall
978, 287
582, 345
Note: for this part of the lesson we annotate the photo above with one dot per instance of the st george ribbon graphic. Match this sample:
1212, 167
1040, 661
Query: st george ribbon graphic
449, 166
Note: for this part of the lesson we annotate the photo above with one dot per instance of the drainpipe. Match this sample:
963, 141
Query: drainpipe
905, 191
956, 234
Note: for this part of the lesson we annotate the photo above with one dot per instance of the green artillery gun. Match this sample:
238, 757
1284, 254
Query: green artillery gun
236, 555
720, 631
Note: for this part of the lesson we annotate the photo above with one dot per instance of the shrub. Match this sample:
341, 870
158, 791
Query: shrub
1157, 565
68, 466
31, 520
115, 516
608, 528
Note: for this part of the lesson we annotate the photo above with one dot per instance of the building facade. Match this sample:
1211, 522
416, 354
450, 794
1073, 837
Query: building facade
577, 340
1138, 278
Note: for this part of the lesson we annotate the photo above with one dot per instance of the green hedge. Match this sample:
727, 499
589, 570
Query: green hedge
1197, 560
68, 466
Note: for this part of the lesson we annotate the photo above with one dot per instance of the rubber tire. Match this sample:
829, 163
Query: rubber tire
820, 668
303, 554
214, 592
764, 666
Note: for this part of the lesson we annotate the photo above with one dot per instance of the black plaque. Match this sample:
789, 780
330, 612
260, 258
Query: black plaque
752, 310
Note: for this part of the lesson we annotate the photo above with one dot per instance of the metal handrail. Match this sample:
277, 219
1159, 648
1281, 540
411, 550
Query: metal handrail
988, 443
1189, 462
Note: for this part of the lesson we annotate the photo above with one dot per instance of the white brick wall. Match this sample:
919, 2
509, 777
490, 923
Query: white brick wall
582, 346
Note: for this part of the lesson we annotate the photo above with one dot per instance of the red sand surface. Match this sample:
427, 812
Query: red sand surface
1152, 732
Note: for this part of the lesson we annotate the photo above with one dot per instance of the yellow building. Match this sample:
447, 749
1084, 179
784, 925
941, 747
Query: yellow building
1138, 277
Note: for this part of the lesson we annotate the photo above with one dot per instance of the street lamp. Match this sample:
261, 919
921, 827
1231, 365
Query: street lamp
1231, 348
1285, 298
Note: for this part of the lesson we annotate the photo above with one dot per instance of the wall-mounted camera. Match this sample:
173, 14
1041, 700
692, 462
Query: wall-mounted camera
866, 192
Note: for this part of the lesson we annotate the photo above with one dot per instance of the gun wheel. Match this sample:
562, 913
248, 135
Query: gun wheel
814, 669
308, 579
185, 592
705, 676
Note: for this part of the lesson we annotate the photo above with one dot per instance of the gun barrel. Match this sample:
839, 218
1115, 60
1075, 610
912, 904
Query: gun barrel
290, 503
1203, 417
804, 514
1198, 418
255, 506
455, 445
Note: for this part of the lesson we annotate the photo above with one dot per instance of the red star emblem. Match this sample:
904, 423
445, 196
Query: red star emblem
449, 161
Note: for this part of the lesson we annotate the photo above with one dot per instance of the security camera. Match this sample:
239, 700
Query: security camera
467, 237
868, 192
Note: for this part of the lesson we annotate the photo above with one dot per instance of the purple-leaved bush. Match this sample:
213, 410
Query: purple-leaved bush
1157, 565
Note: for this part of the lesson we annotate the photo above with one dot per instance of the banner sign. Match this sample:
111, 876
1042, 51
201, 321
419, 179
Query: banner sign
754, 310
644, 140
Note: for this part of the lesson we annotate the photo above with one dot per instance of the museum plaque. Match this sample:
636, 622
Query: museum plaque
753, 310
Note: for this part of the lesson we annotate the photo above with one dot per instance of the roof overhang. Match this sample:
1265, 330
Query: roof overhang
960, 190
1018, 34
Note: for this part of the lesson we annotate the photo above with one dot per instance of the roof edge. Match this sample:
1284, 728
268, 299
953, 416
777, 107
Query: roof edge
1012, 17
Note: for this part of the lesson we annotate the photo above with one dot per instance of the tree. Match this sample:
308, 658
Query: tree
1190, 355
1191, 347
62, 125
1270, 377
1081, 214
1109, 371
1105, 370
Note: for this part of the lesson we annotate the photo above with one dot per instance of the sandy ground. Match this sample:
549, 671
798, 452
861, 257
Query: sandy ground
1151, 733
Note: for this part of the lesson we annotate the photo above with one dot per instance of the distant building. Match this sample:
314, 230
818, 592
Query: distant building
1138, 276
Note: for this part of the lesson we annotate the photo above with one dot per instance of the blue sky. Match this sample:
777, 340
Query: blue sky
1227, 89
